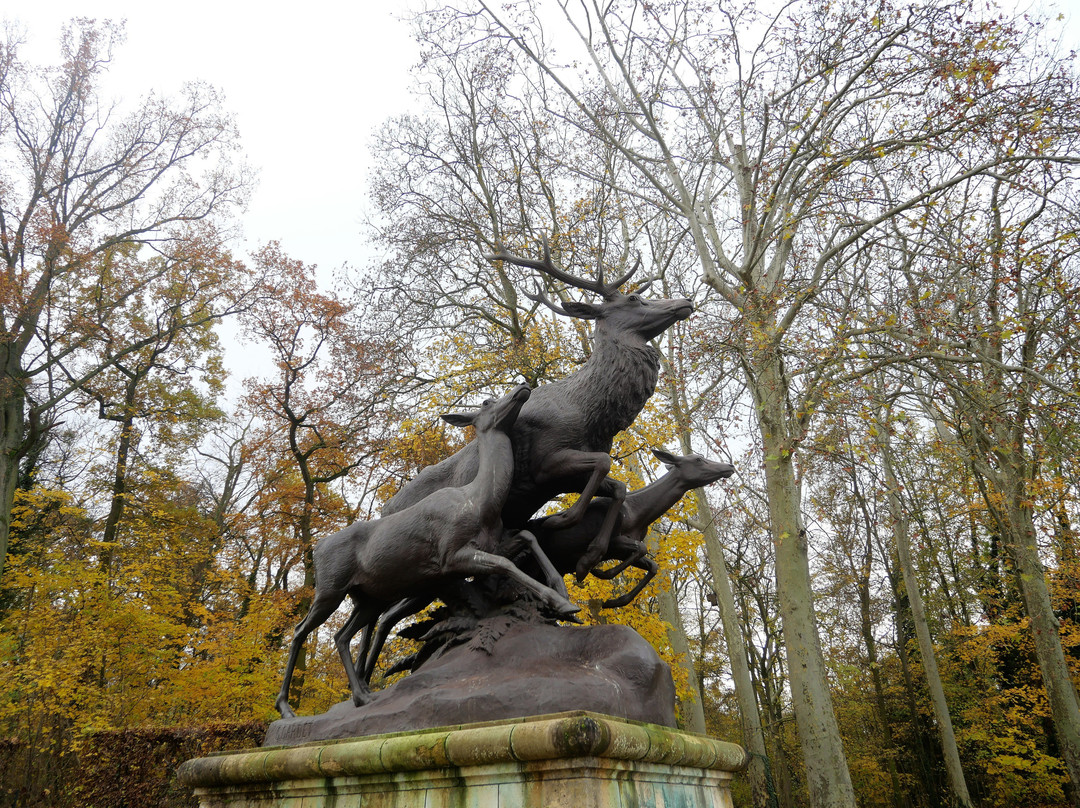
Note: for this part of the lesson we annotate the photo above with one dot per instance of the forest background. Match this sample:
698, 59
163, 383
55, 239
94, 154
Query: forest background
875, 212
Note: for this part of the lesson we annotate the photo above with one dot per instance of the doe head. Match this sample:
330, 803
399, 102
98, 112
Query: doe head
694, 469
494, 413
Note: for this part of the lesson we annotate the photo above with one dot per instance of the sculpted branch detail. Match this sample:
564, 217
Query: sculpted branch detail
470, 516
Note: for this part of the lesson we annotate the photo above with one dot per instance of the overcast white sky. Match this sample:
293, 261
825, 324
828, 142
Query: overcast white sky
308, 83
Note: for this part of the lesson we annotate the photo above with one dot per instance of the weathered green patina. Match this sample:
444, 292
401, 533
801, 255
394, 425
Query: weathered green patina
578, 759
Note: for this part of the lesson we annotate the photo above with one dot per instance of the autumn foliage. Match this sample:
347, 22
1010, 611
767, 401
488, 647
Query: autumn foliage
876, 216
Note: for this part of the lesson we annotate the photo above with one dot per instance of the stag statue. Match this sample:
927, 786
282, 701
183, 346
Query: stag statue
448, 535
562, 438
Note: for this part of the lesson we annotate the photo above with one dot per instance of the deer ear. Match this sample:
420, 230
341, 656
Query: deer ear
666, 458
459, 418
583, 311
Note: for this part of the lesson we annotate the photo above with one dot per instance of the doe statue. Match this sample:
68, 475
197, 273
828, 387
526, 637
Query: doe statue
449, 533
464, 532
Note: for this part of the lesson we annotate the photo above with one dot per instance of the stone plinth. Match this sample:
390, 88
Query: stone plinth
576, 760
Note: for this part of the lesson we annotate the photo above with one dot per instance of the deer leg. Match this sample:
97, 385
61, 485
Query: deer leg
573, 464
598, 547
362, 651
634, 550
523, 539
390, 618
650, 568
361, 617
473, 561
321, 608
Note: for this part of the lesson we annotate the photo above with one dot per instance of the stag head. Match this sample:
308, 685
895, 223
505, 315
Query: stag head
631, 313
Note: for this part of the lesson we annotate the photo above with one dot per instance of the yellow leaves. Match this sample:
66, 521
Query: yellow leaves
1000, 708
133, 641
640, 615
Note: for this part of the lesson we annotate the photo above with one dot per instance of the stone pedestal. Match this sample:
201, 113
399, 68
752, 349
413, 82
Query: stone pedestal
568, 760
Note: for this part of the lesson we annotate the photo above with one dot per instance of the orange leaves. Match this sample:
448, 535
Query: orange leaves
153, 638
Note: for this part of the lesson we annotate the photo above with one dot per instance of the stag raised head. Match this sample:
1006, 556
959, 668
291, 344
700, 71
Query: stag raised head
562, 437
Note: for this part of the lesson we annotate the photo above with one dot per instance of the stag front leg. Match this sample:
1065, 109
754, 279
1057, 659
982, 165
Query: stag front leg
598, 547
570, 464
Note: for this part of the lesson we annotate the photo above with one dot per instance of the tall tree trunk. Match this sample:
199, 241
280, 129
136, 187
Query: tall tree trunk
1008, 502
12, 426
768, 682
926, 757
1066, 536
1045, 628
957, 783
692, 714
119, 492
862, 575
899, 799
759, 770
827, 776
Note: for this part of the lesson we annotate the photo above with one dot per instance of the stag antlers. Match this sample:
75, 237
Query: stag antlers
606, 290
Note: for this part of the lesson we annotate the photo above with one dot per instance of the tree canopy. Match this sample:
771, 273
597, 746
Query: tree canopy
875, 213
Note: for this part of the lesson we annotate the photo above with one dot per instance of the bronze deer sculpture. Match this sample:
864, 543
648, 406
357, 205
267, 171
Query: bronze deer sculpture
562, 438
448, 535
562, 548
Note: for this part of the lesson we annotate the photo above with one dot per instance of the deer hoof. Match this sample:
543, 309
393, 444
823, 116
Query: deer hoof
362, 697
588, 561
284, 708
566, 608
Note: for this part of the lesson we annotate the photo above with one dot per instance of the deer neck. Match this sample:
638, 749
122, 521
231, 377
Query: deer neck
495, 470
648, 504
616, 381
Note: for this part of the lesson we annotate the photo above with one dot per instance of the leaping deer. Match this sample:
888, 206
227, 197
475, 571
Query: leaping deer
449, 534
561, 549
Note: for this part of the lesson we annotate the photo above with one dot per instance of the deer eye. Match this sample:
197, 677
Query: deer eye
634, 298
